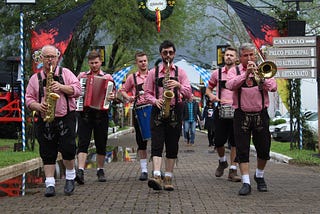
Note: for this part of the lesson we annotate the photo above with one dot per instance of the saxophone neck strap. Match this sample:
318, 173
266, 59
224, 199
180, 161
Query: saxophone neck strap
41, 91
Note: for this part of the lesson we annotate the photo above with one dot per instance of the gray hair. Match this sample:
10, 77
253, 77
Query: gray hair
246, 46
48, 47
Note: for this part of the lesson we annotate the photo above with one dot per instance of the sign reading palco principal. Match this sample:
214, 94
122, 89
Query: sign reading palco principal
295, 57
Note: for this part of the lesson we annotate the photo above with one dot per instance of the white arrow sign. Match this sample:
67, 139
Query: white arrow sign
296, 73
302, 41
291, 52
296, 63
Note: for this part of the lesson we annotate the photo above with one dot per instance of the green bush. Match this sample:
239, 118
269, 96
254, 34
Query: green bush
277, 122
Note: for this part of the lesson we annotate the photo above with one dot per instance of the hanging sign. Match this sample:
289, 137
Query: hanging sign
156, 10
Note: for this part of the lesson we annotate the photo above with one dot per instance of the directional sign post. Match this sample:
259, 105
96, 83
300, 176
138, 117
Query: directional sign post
295, 57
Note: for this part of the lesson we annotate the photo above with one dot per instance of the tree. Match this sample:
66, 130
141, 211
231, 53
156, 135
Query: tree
122, 25
219, 24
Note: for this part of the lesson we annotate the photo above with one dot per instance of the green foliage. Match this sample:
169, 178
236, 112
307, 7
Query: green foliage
307, 157
111, 124
123, 30
118, 25
277, 122
9, 157
309, 141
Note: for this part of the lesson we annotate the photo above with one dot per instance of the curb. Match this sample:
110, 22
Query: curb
116, 134
27, 166
273, 155
20, 168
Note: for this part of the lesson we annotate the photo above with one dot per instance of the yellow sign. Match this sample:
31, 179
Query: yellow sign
221, 49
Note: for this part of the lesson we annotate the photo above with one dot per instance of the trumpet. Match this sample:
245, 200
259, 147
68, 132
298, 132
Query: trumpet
265, 70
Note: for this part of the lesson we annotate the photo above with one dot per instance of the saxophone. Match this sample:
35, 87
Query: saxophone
167, 94
51, 98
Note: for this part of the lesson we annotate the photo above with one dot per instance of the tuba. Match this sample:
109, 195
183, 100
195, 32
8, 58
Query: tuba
167, 94
51, 98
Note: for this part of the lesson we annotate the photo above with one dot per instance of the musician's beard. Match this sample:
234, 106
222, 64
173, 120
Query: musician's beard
166, 60
46, 68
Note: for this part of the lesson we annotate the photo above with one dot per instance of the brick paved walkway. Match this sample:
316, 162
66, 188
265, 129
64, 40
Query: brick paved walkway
292, 189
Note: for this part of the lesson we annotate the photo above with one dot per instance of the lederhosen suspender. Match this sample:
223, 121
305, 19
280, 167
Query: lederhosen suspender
219, 82
137, 92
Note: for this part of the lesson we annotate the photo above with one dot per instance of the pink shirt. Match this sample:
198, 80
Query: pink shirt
251, 99
32, 91
129, 86
150, 87
226, 94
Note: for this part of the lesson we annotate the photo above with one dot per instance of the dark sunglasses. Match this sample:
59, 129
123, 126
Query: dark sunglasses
167, 52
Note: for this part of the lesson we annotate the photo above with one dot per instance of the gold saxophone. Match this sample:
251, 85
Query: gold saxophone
51, 98
167, 94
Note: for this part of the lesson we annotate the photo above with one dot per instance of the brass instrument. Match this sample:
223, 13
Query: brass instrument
51, 98
266, 70
167, 94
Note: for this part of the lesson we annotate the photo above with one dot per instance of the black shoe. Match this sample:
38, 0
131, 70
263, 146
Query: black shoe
222, 165
155, 183
143, 176
100, 174
50, 191
245, 189
69, 187
261, 184
79, 176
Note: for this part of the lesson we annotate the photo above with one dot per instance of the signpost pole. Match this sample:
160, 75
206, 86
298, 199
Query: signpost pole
318, 87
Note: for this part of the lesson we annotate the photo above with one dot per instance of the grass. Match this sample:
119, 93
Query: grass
301, 157
9, 157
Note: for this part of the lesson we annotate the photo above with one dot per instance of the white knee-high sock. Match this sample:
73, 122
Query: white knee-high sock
144, 165
50, 181
70, 174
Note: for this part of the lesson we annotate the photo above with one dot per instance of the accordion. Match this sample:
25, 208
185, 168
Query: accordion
94, 93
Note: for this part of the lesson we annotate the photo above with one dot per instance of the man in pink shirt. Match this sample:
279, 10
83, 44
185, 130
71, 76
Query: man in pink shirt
224, 125
58, 135
250, 101
165, 125
134, 84
93, 120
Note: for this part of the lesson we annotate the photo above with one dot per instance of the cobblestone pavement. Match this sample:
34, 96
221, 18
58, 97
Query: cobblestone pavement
292, 189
